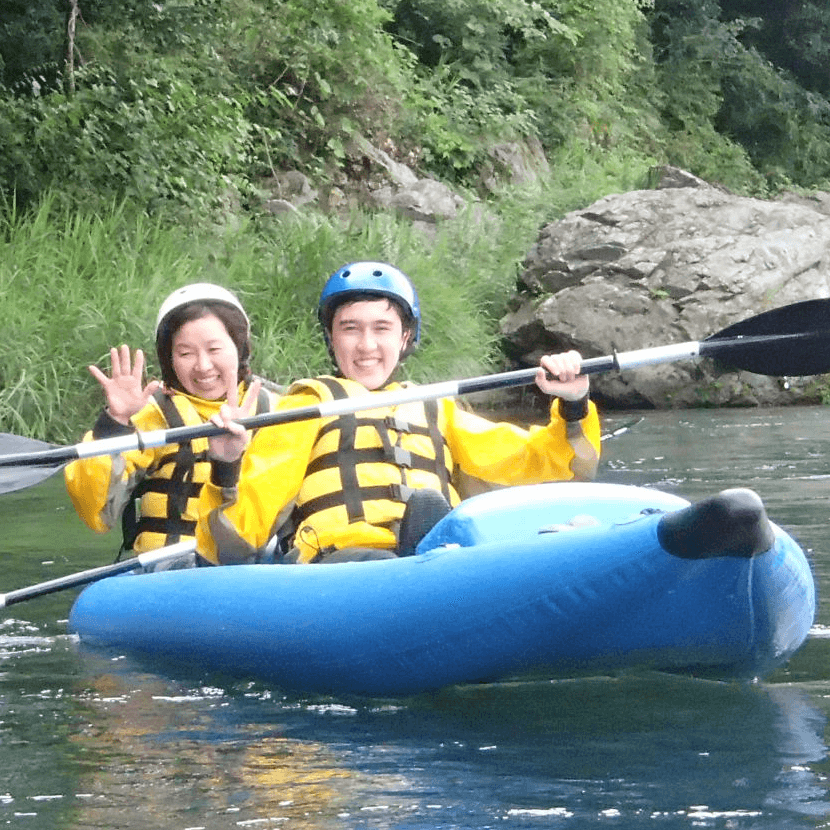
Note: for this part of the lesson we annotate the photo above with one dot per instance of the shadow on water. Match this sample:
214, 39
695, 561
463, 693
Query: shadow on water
654, 746
90, 741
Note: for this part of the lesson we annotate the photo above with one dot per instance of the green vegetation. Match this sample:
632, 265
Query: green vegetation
74, 283
189, 104
136, 138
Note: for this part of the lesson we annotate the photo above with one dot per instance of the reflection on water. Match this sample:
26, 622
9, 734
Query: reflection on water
88, 741
145, 751
189, 761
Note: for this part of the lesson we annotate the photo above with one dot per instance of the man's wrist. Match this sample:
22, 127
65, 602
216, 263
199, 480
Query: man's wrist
574, 410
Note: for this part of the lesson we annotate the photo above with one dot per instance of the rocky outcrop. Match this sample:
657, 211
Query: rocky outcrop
373, 178
633, 270
656, 267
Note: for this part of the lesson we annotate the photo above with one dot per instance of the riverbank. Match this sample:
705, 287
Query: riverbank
74, 284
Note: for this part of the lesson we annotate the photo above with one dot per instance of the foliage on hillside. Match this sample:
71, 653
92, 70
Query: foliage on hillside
76, 282
128, 129
189, 103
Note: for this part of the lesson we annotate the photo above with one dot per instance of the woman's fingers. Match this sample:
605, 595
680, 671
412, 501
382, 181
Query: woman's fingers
251, 397
231, 445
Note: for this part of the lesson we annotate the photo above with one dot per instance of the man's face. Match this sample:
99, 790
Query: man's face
367, 339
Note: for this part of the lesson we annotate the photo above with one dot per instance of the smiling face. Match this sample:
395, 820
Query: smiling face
367, 338
205, 358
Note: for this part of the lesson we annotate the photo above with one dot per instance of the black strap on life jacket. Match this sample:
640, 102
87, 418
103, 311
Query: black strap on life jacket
439, 444
346, 458
177, 489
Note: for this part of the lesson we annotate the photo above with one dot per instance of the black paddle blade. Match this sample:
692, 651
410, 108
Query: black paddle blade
30, 470
793, 340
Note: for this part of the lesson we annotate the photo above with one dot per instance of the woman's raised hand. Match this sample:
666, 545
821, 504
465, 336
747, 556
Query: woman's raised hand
123, 387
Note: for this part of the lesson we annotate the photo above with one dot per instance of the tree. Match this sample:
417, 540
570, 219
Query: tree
32, 38
793, 34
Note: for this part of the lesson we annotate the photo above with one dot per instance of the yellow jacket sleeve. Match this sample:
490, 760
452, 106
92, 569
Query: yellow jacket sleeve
504, 454
100, 486
239, 516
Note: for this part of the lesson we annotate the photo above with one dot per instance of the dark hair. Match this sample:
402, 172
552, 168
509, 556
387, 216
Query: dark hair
231, 318
407, 320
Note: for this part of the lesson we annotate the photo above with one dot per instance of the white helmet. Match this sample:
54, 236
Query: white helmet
197, 292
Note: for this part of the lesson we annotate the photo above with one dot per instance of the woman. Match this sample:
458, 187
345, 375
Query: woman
203, 347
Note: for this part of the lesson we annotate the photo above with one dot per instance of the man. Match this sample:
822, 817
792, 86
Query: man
344, 488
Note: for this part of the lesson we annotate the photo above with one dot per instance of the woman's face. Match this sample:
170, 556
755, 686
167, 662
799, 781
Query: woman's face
205, 358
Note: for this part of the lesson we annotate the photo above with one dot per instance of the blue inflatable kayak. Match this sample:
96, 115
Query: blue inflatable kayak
512, 582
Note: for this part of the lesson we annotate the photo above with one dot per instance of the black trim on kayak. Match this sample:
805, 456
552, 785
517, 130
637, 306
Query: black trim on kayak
731, 523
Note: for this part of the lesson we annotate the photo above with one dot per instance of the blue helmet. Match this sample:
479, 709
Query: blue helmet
374, 279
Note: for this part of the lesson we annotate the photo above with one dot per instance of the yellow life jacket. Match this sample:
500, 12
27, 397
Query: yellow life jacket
364, 466
164, 503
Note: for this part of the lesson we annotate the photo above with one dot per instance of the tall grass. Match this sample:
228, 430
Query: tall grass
75, 284
72, 284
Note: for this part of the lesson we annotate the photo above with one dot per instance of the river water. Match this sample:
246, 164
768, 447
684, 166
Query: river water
93, 741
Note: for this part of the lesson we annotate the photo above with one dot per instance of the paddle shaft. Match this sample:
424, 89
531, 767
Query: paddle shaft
57, 456
143, 560
376, 400
432, 391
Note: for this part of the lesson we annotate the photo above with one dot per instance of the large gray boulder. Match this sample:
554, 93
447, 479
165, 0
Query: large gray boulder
657, 267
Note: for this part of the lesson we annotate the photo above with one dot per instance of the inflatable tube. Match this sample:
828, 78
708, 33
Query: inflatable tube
510, 582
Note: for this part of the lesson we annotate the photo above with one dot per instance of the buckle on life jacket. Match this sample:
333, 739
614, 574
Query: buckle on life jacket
396, 423
402, 457
401, 493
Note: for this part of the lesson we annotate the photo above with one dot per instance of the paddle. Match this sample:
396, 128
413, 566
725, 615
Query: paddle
790, 341
143, 560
